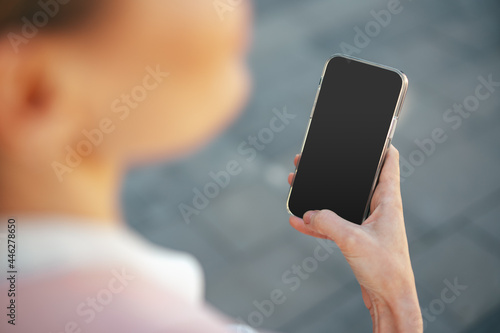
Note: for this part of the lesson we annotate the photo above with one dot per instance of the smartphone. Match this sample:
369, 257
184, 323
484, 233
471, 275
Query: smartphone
350, 130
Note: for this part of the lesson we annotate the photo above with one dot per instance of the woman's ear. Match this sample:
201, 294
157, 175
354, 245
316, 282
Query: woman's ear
34, 119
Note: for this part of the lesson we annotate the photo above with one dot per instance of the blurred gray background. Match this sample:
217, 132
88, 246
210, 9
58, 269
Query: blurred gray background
451, 196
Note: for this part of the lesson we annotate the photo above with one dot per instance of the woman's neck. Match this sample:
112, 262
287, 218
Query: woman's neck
90, 191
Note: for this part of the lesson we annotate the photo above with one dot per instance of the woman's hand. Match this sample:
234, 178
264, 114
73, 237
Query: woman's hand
377, 251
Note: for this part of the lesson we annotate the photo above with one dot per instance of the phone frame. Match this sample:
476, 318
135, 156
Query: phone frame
390, 132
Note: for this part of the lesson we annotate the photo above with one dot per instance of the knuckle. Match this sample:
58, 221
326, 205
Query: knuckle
319, 219
349, 241
323, 215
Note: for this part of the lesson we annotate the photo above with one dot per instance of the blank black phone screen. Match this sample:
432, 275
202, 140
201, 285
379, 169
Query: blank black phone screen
346, 138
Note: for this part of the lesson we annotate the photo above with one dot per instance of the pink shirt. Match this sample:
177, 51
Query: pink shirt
74, 276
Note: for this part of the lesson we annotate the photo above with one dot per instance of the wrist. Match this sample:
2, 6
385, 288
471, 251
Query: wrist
399, 313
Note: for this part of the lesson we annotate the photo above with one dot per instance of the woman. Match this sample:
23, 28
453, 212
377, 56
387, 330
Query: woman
90, 86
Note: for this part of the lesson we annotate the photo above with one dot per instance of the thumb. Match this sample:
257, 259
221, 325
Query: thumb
344, 233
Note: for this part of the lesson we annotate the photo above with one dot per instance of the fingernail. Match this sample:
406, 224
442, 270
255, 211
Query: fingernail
308, 216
